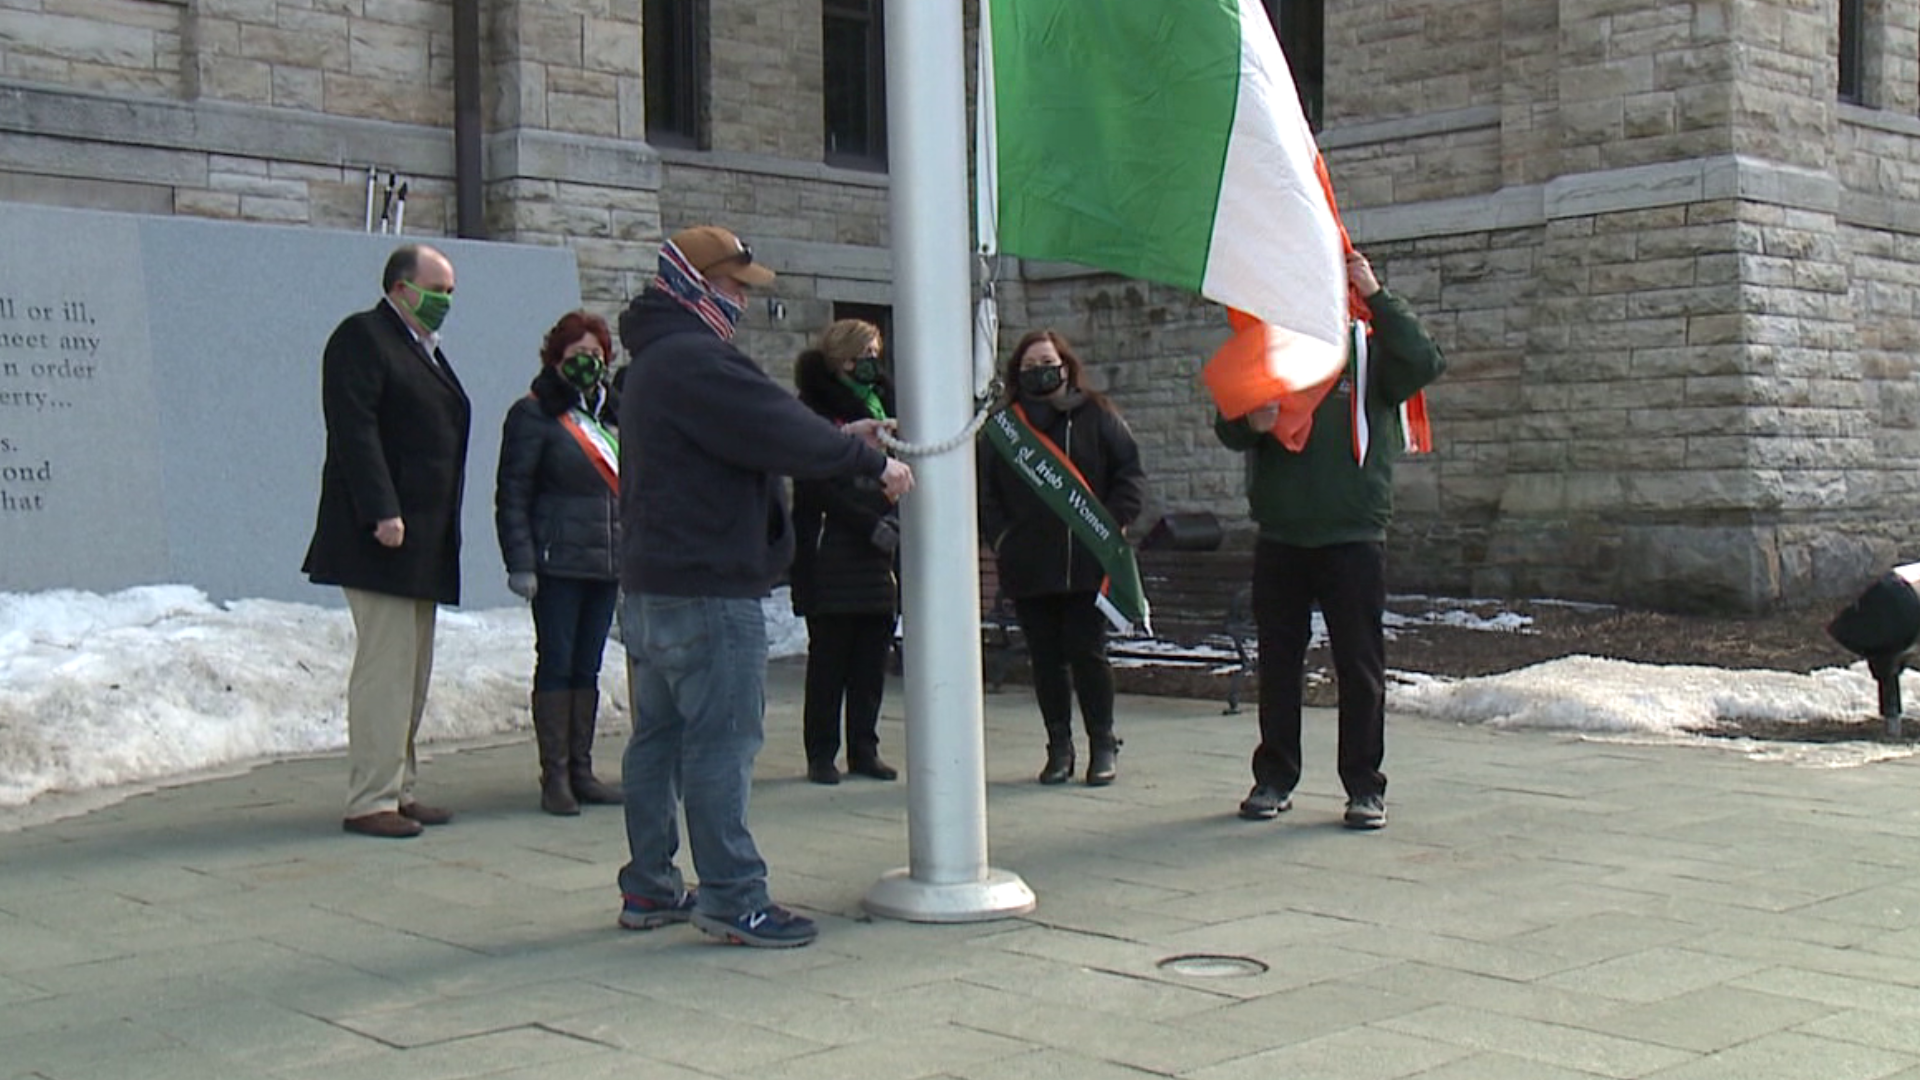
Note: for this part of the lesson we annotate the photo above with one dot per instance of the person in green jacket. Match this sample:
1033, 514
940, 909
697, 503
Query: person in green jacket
1322, 516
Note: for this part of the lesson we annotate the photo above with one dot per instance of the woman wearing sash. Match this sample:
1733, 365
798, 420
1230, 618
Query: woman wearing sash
557, 512
1053, 578
846, 531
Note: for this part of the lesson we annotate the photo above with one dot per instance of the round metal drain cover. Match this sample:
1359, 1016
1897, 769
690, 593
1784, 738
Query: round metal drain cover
1212, 966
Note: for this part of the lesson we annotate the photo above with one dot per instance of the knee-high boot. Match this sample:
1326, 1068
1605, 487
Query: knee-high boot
552, 732
586, 787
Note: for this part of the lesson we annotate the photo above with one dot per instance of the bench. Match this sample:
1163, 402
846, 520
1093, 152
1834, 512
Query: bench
1199, 598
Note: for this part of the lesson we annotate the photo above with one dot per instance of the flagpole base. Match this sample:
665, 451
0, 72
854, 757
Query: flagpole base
1000, 895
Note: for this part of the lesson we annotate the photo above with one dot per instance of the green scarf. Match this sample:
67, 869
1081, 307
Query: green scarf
868, 395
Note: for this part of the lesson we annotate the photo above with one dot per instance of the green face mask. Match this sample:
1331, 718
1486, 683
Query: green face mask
583, 370
431, 308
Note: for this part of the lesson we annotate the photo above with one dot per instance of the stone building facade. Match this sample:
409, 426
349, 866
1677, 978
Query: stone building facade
1668, 247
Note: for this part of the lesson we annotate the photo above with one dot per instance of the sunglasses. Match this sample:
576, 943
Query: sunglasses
744, 255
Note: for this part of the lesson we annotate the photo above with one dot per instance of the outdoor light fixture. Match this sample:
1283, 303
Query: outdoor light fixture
1882, 627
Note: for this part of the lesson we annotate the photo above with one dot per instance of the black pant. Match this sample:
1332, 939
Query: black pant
846, 660
570, 621
1349, 582
1067, 642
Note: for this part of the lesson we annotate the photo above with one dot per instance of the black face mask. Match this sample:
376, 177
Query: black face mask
1041, 381
866, 370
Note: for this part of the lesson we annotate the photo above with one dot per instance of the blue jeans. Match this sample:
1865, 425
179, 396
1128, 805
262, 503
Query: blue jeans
697, 669
570, 620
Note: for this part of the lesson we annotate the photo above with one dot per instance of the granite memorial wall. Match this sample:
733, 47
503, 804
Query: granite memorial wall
160, 393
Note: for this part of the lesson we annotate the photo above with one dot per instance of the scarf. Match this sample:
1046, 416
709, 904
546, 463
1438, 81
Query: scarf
868, 395
678, 279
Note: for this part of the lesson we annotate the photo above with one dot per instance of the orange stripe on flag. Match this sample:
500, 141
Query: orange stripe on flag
1253, 368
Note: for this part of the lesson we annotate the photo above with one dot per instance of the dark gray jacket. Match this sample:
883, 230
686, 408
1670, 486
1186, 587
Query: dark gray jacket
1036, 553
552, 509
705, 436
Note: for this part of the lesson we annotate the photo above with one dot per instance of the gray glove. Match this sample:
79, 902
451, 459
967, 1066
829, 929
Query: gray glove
525, 584
886, 535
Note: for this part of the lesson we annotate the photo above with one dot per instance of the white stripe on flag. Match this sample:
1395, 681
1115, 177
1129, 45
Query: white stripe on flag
1275, 251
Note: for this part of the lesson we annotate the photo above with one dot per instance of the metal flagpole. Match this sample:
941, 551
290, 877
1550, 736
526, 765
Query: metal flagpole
947, 878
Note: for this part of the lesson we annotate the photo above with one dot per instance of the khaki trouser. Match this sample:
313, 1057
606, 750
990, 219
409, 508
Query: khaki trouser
386, 693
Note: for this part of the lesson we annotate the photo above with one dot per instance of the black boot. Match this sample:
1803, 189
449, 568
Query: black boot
588, 788
552, 730
1103, 761
1059, 763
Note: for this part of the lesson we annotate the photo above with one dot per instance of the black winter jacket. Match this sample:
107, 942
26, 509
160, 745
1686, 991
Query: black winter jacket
553, 511
705, 436
397, 424
838, 569
1036, 554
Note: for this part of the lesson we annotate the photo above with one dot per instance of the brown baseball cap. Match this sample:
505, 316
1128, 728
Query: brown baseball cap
711, 248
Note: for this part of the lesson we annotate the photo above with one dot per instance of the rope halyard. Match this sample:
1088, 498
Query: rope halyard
933, 449
987, 388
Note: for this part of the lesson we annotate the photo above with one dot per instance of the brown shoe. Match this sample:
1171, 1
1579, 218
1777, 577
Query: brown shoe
384, 823
424, 814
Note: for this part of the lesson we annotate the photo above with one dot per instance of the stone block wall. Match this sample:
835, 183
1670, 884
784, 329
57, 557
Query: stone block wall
1387, 59
767, 78
1678, 283
118, 46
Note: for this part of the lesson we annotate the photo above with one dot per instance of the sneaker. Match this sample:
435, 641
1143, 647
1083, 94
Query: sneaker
772, 927
640, 913
1366, 812
1264, 803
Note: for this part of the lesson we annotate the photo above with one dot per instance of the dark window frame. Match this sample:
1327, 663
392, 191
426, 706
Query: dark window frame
863, 78
675, 59
1301, 26
1852, 81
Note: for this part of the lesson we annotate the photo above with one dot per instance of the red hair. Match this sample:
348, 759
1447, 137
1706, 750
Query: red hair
573, 326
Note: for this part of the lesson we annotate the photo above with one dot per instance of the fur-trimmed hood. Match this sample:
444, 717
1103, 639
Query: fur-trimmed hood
822, 391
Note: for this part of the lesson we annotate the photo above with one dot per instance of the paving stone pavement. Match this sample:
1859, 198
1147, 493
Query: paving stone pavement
1539, 907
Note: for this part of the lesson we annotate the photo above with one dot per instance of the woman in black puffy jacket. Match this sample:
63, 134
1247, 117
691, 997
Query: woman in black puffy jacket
843, 580
557, 511
1052, 578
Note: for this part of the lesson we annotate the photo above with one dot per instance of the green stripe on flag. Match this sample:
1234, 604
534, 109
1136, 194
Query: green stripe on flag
1112, 132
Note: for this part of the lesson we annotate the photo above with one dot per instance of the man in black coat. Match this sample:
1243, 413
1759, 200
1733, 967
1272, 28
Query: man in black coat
388, 528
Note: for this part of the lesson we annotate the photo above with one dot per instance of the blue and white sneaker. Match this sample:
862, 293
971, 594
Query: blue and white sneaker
640, 913
772, 927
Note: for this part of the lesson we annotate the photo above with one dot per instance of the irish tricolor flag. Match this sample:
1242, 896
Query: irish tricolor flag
1162, 139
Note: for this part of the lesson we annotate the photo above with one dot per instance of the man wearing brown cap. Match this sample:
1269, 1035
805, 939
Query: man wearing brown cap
706, 436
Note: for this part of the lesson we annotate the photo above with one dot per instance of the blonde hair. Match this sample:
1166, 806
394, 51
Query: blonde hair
846, 339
